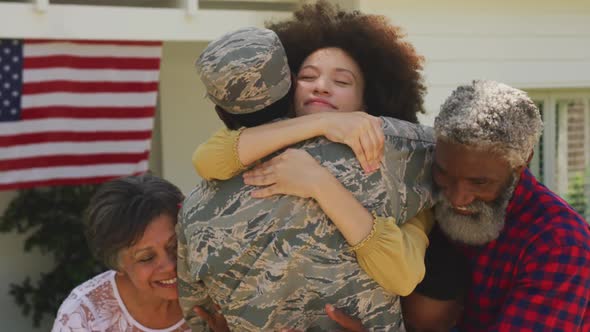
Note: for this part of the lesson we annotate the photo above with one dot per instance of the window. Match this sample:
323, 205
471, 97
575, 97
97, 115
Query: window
562, 157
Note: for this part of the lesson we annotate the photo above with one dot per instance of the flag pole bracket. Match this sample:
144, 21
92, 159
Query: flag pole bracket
192, 6
41, 6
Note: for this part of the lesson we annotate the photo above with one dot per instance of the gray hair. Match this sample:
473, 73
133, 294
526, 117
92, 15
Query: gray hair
120, 211
491, 116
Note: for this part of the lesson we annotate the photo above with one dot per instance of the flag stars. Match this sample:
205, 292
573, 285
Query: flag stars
10, 79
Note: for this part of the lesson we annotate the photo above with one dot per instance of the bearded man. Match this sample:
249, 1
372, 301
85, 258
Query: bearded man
515, 253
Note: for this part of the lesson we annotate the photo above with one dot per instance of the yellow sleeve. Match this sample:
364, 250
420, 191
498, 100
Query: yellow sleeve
394, 256
218, 158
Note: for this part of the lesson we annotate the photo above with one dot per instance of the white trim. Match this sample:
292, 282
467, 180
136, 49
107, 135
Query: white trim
586, 102
42, 5
562, 184
534, 165
18, 20
556, 172
539, 94
191, 7
549, 139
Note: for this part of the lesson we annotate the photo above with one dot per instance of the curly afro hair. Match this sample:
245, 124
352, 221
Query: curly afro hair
390, 65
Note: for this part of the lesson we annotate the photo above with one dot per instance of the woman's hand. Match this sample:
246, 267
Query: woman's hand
293, 172
344, 320
360, 131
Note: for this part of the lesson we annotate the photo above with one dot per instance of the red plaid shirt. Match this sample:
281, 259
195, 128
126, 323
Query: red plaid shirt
536, 275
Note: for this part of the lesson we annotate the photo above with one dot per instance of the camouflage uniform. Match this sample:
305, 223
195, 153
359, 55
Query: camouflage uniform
245, 70
274, 263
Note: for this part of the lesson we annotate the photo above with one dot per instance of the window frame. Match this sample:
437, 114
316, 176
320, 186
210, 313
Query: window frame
555, 138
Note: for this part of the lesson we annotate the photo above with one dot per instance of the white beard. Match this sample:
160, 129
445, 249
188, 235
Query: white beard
479, 228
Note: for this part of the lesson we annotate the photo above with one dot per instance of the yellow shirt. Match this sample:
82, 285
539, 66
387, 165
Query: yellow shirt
392, 255
217, 158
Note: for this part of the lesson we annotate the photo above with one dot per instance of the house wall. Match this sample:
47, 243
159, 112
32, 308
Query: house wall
528, 44
187, 116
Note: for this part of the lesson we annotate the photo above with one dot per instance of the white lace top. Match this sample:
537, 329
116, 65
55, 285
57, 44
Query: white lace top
97, 306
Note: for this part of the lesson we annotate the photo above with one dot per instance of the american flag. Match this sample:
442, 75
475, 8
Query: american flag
74, 112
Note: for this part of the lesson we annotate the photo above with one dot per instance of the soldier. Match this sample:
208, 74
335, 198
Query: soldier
271, 263
262, 92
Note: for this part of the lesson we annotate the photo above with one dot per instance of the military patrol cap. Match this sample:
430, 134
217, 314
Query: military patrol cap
245, 70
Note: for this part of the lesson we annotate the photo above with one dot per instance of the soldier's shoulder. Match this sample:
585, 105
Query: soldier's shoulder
200, 188
199, 193
399, 130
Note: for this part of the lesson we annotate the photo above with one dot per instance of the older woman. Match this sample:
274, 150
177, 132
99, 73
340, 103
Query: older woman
130, 228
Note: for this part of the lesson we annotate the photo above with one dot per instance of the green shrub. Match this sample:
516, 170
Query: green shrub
52, 219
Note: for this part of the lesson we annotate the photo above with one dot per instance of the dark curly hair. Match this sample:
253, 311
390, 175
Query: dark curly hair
390, 65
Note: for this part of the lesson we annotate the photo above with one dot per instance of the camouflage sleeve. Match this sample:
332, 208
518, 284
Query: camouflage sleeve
407, 166
191, 292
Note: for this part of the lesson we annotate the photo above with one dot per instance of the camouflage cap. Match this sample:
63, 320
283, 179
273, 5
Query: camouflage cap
245, 70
